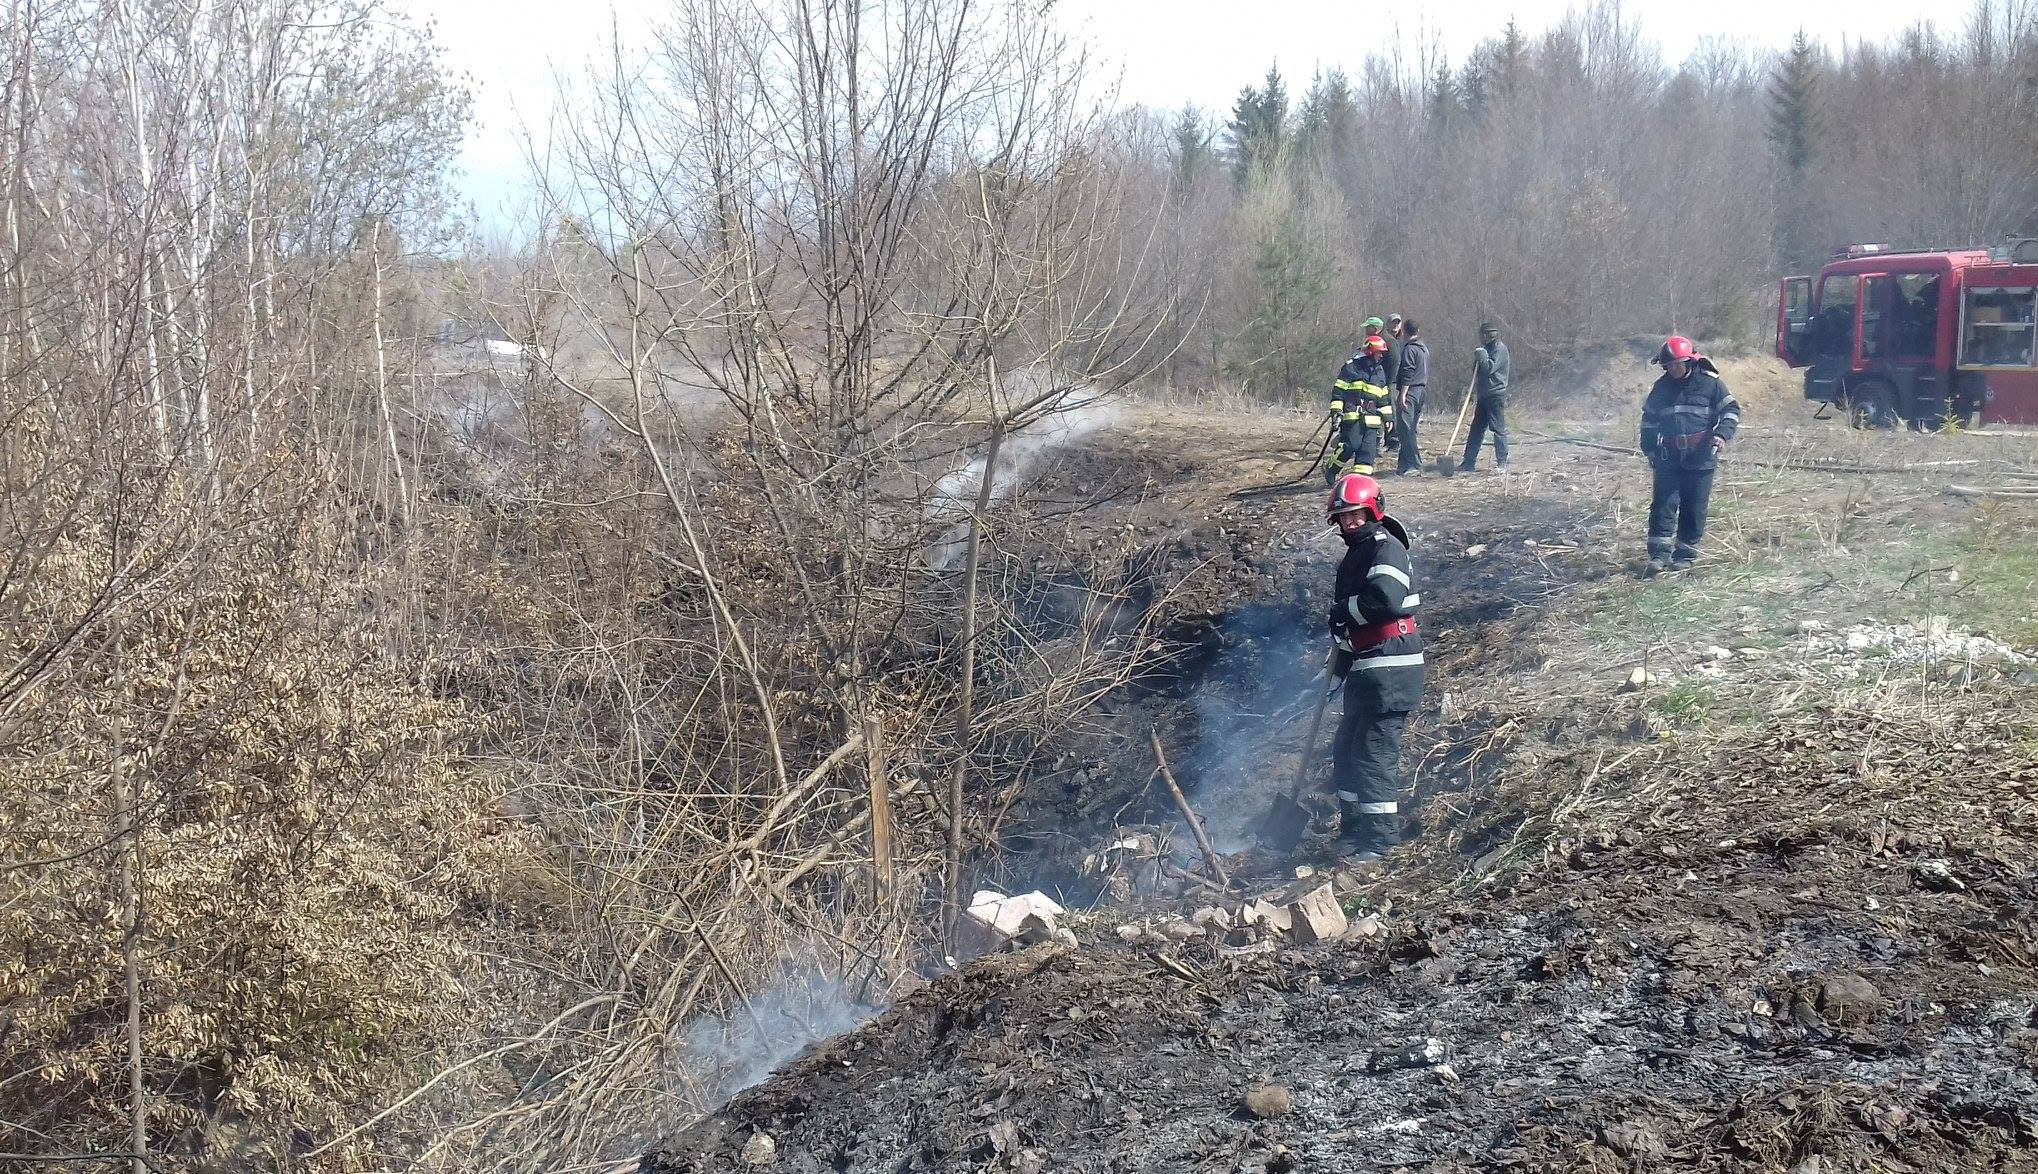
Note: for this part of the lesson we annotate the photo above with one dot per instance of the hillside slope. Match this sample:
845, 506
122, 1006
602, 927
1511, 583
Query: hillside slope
1766, 904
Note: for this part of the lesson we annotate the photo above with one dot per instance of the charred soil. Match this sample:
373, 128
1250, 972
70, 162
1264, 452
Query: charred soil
1712, 873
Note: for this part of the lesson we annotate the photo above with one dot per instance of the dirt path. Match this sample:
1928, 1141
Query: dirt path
1769, 909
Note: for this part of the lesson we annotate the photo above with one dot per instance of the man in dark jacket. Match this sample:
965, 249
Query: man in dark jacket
1378, 651
1491, 368
1394, 338
1687, 420
1411, 389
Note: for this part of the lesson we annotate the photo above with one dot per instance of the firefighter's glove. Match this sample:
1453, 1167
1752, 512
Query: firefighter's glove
1337, 662
1719, 444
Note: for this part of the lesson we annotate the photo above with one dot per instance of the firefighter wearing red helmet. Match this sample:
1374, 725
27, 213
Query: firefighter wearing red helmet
1687, 419
1362, 405
1377, 649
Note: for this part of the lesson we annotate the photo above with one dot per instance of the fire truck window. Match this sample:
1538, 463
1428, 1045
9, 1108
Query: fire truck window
2000, 328
1833, 326
1916, 326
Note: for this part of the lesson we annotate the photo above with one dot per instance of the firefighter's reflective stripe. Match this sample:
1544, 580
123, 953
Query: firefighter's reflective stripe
1348, 796
1360, 468
1412, 600
1352, 606
1373, 422
1374, 808
1370, 663
1382, 569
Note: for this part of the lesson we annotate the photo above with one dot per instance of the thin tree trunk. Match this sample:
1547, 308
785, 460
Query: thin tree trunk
382, 387
158, 403
127, 819
963, 713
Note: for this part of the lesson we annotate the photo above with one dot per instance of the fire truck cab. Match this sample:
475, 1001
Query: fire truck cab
1921, 338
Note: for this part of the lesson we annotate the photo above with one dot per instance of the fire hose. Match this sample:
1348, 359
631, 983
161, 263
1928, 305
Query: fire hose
1329, 432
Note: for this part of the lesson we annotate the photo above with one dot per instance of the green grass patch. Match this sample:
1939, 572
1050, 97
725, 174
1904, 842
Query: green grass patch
1686, 702
1997, 592
2000, 593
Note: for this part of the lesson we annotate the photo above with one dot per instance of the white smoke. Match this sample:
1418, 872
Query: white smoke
1020, 455
726, 1054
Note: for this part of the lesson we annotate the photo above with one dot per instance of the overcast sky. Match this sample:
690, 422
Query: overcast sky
1167, 51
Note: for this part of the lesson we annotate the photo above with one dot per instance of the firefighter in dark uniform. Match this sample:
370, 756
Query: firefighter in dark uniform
1377, 649
1687, 420
1362, 403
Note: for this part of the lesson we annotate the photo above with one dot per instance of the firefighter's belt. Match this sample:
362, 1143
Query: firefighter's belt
1372, 636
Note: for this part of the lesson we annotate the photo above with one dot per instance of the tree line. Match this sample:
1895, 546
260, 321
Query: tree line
1580, 185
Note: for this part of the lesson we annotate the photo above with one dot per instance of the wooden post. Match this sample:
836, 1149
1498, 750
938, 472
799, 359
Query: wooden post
880, 809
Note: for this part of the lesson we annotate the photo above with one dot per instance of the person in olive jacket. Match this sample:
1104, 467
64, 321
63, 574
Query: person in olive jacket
1492, 366
1687, 420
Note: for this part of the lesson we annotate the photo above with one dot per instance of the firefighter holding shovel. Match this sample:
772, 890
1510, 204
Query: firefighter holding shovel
1378, 651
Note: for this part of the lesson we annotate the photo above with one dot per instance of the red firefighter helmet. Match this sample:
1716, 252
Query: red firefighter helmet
1677, 348
1355, 491
1375, 345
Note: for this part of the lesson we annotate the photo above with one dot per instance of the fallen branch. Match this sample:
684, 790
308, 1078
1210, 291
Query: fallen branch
2008, 492
1182, 805
1174, 871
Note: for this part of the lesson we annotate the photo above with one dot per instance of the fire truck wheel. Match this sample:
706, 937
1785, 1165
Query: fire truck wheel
1873, 405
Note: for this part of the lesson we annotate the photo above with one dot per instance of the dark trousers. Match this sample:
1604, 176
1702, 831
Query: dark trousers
1678, 508
1366, 450
1369, 766
1489, 412
1405, 422
1344, 445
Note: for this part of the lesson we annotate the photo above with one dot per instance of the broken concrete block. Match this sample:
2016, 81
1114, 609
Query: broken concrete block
1267, 913
1182, 931
994, 919
1212, 917
760, 1150
1365, 927
1317, 916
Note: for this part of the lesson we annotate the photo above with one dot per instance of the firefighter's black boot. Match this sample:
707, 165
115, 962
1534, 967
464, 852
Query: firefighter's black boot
1364, 838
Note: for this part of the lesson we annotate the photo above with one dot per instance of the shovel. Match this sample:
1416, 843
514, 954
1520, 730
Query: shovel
1284, 823
1445, 465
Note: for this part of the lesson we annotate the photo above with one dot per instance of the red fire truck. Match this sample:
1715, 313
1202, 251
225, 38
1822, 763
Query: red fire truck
1920, 338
